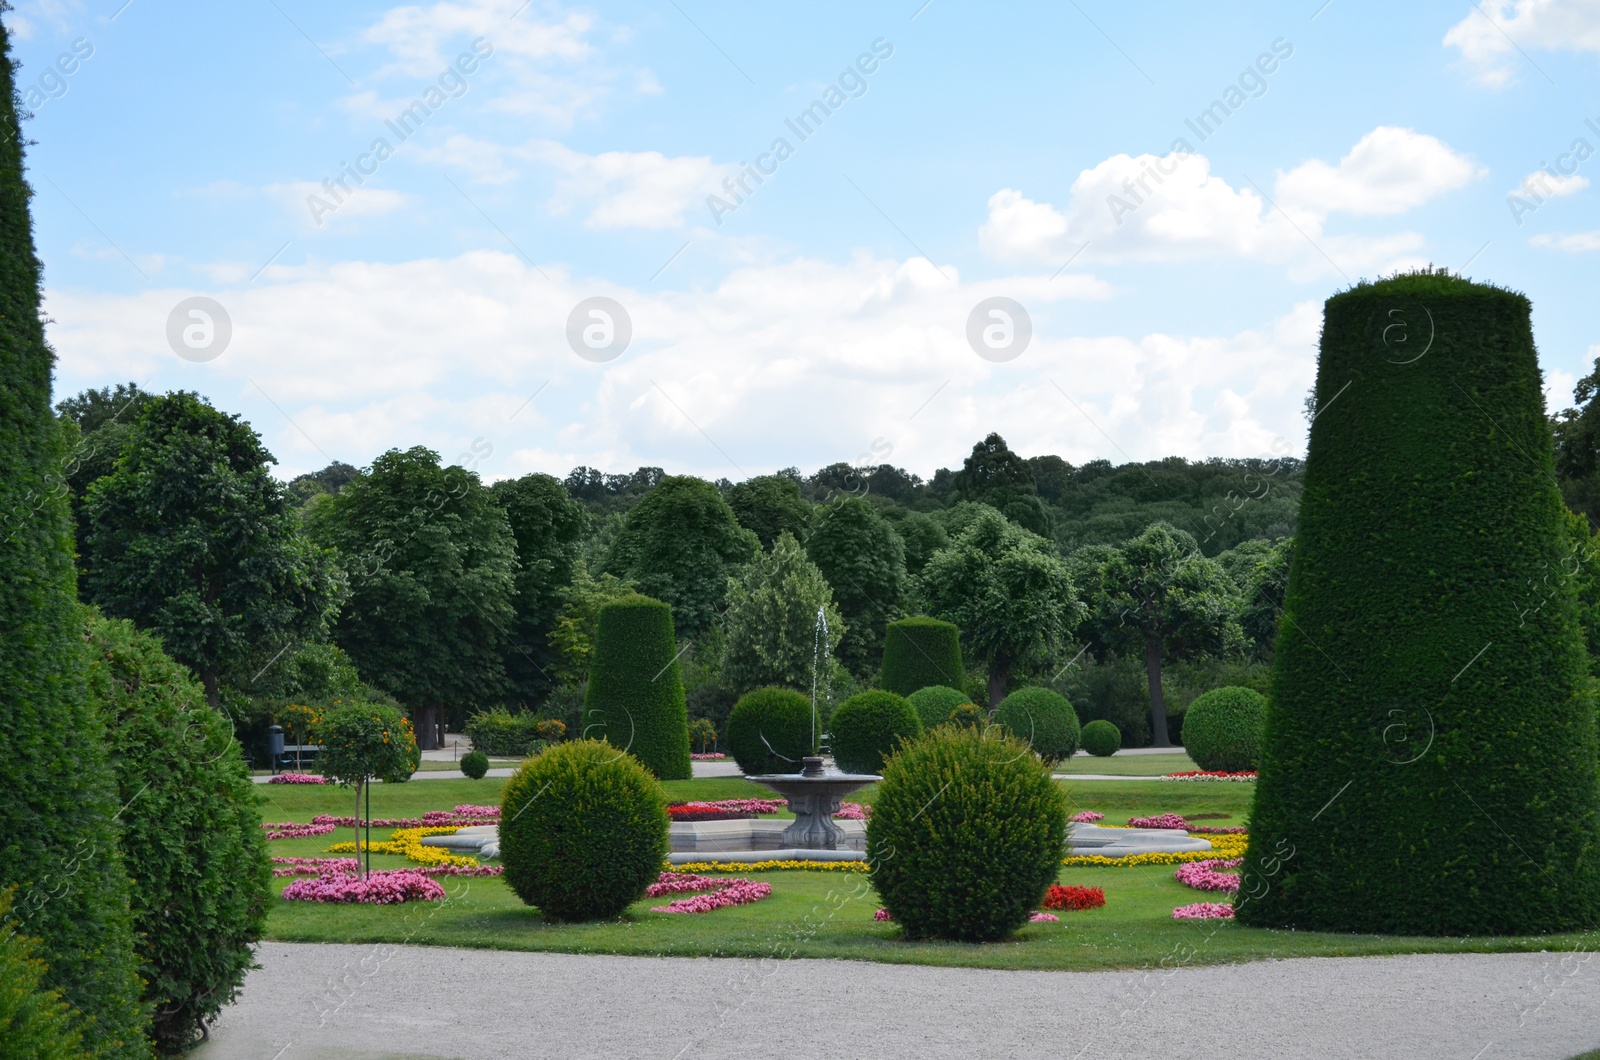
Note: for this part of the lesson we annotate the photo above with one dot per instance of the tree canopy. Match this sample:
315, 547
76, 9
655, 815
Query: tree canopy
548, 527
864, 561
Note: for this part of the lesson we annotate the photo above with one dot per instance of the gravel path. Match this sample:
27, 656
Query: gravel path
311, 1002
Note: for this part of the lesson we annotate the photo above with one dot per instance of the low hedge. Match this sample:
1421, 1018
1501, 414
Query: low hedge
868, 728
500, 733
1043, 719
1222, 729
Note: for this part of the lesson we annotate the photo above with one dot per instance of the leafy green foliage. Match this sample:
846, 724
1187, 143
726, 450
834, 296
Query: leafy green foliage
548, 527
864, 561
771, 621
1101, 738
703, 735
499, 732
475, 764
1222, 729
920, 533
35, 1023
934, 703
771, 730
966, 834
58, 839
1430, 669
366, 741
191, 834
919, 652
1042, 719
578, 623
869, 727
1577, 447
635, 699
1262, 599
191, 537
584, 831
1006, 591
996, 476
769, 505
432, 565
680, 544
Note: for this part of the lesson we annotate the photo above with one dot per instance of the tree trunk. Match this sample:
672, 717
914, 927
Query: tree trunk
999, 674
427, 726
1158, 703
213, 689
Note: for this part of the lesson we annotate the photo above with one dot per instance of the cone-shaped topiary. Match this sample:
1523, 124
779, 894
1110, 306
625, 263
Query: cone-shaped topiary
1429, 758
58, 834
1042, 719
1222, 729
1101, 738
934, 704
868, 728
474, 765
771, 730
583, 831
636, 699
918, 652
966, 834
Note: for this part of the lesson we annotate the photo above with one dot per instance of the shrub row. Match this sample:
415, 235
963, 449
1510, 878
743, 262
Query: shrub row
500, 733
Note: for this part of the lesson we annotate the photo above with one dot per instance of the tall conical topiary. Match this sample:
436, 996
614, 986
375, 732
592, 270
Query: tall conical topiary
921, 651
1429, 753
58, 836
635, 699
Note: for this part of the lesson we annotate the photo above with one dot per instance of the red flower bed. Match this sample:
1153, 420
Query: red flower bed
1074, 898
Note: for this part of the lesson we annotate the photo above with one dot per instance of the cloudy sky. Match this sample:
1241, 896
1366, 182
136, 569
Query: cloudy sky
1104, 230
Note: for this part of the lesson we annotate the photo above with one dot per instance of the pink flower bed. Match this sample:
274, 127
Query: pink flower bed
1163, 820
1204, 911
386, 887
852, 811
1203, 875
314, 866
460, 817
1202, 829
1088, 817
1201, 774
709, 756
882, 916
297, 778
724, 891
292, 830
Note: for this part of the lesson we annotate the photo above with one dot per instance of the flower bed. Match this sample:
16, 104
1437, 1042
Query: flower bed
297, 778
774, 866
1203, 875
384, 887
704, 811
1162, 820
407, 842
1222, 847
722, 892
709, 756
1204, 911
1202, 774
1074, 898
314, 866
1088, 817
461, 817
292, 830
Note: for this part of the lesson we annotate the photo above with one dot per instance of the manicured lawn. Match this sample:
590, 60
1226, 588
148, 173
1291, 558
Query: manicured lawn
1128, 765
828, 914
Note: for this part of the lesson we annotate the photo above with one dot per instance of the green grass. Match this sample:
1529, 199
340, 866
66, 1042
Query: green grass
826, 914
1129, 765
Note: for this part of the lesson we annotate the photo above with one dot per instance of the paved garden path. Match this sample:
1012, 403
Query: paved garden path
310, 1002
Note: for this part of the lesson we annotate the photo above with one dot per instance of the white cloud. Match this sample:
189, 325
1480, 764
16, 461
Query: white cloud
1389, 171
1541, 185
1576, 243
631, 189
311, 203
1491, 36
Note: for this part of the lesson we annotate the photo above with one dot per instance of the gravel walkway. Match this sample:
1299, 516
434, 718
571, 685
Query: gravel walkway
366, 1002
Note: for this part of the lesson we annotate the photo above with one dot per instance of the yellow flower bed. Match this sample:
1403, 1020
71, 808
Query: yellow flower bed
770, 866
407, 842
1222, 846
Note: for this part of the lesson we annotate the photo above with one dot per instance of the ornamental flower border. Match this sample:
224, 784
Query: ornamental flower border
724, 892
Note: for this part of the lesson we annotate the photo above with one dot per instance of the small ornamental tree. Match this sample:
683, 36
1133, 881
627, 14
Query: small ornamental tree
921, 651
772, 636
1429, 758
635, 699
363, 742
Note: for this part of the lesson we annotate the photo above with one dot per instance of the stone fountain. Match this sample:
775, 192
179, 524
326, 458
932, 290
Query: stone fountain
814, 795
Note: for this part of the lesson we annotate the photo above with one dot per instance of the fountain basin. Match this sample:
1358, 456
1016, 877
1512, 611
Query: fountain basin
814, 795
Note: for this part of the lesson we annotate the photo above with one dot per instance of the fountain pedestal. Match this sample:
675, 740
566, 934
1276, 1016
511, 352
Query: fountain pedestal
814, 795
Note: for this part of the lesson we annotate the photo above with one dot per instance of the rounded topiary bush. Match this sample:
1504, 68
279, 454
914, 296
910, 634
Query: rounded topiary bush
770, 730
867, 728
635, 698
966, 834
1222, 729
475, 764
934, 704
918, 652
1101, 738
583, 831
1043, 719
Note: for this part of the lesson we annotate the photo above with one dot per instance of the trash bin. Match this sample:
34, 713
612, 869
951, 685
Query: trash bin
274, 746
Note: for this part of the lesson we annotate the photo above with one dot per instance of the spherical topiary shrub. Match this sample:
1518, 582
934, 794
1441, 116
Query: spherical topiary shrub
475, 764
934, 704
583, 831
1222, 729
918, 652
868, 728
966, 834
1101, 738
635, 699
770, 730
1043, 719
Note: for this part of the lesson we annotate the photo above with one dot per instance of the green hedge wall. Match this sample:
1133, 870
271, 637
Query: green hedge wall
503, 734
771, 730
635, 699
1429, 758
918, 652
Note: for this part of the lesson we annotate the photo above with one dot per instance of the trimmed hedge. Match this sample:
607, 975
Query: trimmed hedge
918, 652
503, 734
1043, 719
1429, 758
935, 702
966, 834
191, 831
1222, 729
475, 765
1101, 738
869, 727
636, 699
584, 831
34, 1022
779, 717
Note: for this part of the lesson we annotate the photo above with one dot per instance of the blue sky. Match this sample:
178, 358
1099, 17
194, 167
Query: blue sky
823, 314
